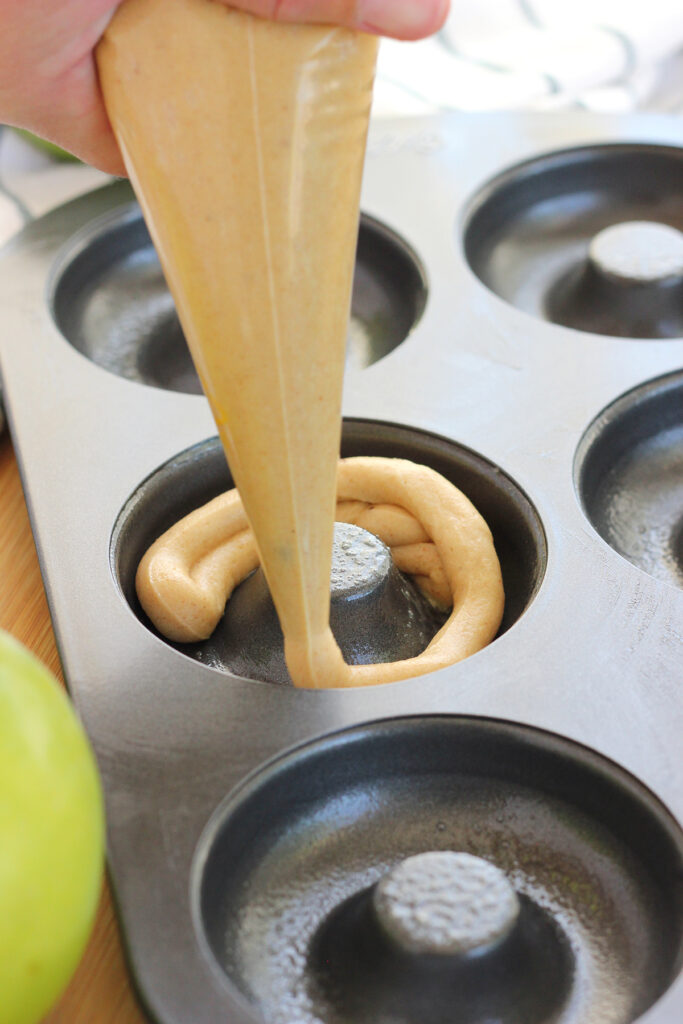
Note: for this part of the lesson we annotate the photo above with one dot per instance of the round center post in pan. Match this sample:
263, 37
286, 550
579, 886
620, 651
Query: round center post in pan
377, 613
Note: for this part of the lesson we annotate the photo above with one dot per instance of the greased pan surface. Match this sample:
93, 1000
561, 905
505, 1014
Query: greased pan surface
594, 655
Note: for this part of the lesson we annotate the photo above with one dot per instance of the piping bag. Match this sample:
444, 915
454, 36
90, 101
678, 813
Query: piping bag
244, 140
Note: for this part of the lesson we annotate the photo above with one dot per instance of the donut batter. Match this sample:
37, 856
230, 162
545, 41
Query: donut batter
245, 140
434, 532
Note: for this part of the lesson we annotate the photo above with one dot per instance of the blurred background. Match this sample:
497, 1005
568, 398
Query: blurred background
608, 56
603, 55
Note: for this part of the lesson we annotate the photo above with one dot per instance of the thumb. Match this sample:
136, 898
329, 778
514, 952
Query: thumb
402, 19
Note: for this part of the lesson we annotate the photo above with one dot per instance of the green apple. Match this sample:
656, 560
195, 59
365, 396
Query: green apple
51, 837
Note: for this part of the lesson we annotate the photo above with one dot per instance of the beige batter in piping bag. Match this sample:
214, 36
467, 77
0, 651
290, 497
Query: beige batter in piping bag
244, 140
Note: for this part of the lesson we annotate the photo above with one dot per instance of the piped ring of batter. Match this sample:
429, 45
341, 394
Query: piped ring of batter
434, 532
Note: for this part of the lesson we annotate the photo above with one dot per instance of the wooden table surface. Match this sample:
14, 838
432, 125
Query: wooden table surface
99, 992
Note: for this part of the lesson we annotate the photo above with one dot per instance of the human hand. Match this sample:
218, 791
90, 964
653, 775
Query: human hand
48, 77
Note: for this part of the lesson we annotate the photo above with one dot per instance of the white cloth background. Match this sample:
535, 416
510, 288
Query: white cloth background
603, 55
606, 55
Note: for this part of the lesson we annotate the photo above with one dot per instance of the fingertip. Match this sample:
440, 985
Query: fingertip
442, 8
402, 19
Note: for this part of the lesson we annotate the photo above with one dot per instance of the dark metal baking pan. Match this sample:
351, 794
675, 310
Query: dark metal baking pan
594, 660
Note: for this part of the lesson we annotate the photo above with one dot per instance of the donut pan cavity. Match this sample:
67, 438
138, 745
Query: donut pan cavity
630, 477
278, 891
200, 474
110, 300
239, 809
591, 238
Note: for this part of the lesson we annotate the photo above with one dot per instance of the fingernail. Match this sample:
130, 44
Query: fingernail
405, 19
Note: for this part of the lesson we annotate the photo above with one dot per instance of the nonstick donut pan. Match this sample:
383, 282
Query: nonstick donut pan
501, 840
